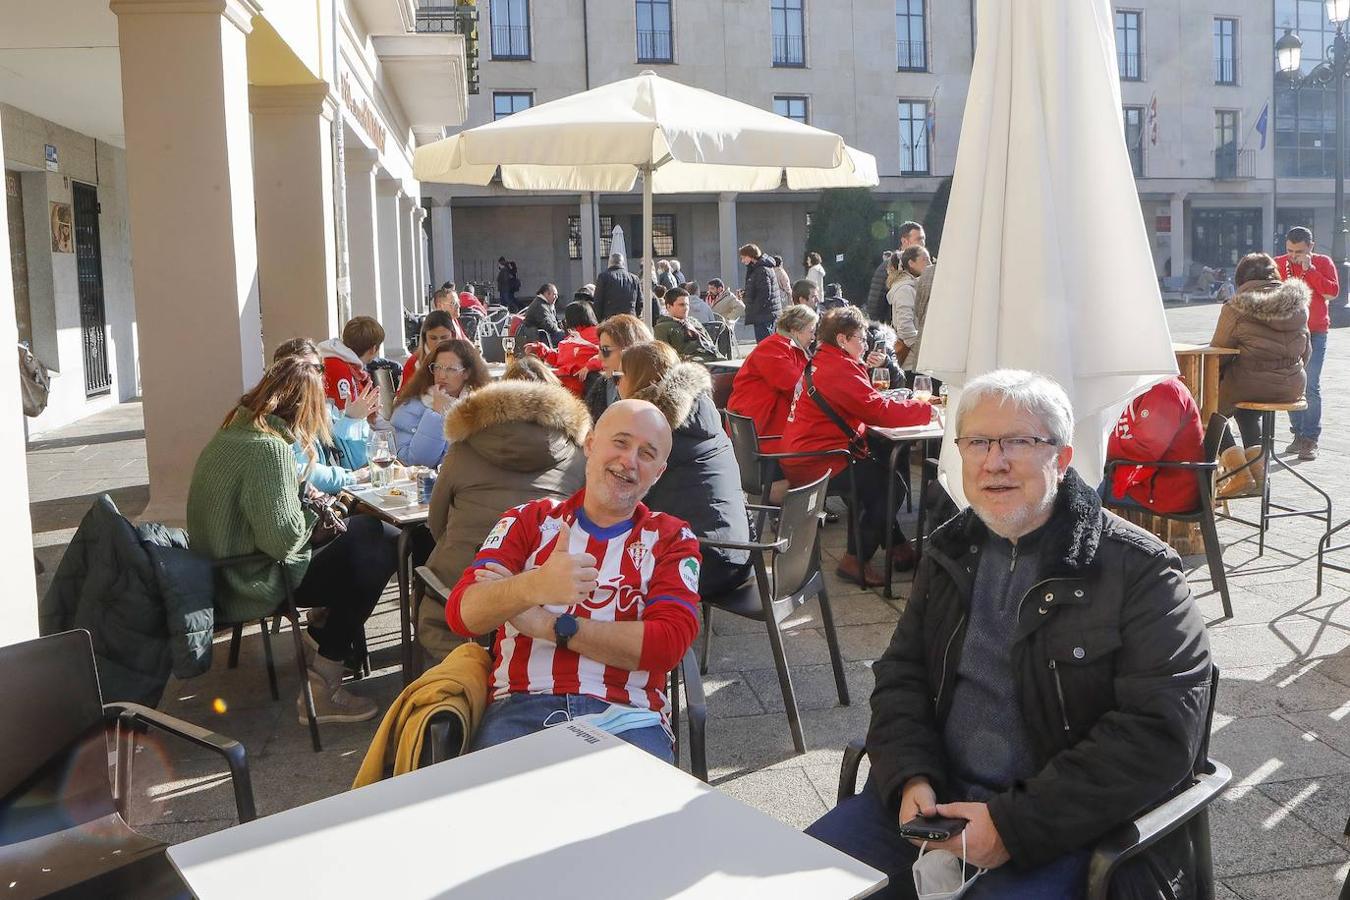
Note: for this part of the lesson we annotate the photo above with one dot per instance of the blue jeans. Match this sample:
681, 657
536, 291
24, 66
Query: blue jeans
863, 828
1308, 424
762, 330
521, 714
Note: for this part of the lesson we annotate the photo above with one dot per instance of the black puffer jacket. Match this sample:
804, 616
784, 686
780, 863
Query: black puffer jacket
702, 483
1112, 666
763, 297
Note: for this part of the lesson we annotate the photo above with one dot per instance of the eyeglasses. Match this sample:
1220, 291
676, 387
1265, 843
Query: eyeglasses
606, 351
1015, 449
433, 368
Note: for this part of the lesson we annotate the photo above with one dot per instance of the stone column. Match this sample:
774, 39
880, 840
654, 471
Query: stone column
191, 214
293, 171
727, 244
389, 221
412, 294
423, 269
442, 245
1274, 243
363, 248
1178, 212
590, 242
18, 604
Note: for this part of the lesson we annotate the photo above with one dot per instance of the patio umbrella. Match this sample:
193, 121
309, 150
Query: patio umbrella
1045, 259
679, 139
616, 242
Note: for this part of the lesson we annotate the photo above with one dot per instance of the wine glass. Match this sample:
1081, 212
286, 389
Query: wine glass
881, 378
380, 453
923, 388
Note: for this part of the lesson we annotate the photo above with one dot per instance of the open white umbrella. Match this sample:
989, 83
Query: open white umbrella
1045, 258
680, 139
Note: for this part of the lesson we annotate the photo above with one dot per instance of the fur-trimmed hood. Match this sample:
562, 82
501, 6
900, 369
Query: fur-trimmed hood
1272, 301
677, 393
520, 425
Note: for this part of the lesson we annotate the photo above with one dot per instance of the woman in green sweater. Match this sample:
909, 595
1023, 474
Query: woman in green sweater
245, 498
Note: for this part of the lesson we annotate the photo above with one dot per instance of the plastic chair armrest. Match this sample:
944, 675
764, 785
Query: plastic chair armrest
777, 546
808, 454
236, 757
1134, 838
848, 769
433, 584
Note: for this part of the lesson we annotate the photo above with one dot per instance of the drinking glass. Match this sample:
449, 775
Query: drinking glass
509, 347
923, 388
380, 452
881, 378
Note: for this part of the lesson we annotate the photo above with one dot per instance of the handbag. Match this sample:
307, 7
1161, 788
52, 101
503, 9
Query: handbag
330, 519
856, 445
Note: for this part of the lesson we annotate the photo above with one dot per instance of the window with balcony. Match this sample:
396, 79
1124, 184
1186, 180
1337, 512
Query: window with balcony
1225, 143
655, 37
1134, 137
1129, 52
789, 32
510, 28
792, 107
504, 103
911, 50
1225, 51
914, 137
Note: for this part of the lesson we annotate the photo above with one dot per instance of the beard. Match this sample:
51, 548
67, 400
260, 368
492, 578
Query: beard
1015, 523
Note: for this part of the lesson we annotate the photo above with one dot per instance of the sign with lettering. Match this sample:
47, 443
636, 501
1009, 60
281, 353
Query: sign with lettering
362, 112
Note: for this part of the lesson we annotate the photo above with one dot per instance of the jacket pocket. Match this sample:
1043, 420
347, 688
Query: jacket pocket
1081, 669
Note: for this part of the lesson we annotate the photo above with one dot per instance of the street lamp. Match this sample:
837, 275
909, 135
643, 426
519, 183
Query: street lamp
1334, 70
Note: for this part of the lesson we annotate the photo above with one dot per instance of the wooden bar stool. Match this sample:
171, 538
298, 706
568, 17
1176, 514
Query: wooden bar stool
1271, 460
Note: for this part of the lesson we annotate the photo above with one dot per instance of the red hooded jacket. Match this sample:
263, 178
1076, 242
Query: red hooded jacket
843, 383
1163, 424
577, 356
762, 389
1321, 279
344, 375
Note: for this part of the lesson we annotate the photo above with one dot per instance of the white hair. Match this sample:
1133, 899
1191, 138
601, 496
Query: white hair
616, 259
1030, 391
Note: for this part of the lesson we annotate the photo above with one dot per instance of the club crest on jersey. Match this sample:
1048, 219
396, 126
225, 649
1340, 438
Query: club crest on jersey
637, 553
689, 573
498, 533
344, 390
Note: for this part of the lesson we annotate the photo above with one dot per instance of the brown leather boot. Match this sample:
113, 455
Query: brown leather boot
1258, 468
851, 569
1234, 480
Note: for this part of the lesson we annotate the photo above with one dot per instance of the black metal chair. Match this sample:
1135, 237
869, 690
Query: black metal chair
443, 734
472, 323
786, 575
723, 336
1202, 515
491, 345
1188, 807
63, 825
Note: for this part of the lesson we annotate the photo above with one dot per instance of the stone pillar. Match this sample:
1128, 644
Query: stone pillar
412, 294
442, 245
191, 214
363, 248
293, 171
590, 240
389, 221
1274, 243
727, 244
18, 604
423, 269
1180, 268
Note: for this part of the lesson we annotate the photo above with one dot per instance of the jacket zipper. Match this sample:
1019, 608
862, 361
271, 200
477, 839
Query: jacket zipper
1012, 563
1059, 689
945, 652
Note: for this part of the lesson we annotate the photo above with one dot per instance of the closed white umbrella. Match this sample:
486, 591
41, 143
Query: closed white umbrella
617, 243
1045, 258
680, 139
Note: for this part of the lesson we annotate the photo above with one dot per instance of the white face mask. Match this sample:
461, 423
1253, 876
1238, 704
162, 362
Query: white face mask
941, 874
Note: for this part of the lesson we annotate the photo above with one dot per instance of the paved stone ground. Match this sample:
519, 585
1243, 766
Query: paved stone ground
1283, 722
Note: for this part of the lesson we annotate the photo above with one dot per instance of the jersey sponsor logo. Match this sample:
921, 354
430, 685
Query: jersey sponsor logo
498, 533
688, 534
549, 528
623, 597
689, 573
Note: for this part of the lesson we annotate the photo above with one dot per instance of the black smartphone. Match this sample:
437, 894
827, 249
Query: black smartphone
932, 828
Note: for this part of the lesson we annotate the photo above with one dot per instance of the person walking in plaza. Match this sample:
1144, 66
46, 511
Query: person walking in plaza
762, 296
617, 290
541, 316
1318, 272
832, 406
593, 599
1267, 322
344, 360
763, 387
902, 293
702, 481
615, 334
683, 332
1048, 679
453, 371
784, 279
508, 283
911, 235
815, 271
244, 499
438, 326
510, 443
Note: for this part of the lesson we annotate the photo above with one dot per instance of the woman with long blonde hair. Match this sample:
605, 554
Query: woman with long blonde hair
245, 499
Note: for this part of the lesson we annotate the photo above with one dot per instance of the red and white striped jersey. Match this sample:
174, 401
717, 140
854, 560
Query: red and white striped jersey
649, 567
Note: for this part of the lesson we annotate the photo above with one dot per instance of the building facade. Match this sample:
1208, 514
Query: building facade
1202, 110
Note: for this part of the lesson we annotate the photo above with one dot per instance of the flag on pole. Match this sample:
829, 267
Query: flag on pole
1263, 122
1153, 121
931, 123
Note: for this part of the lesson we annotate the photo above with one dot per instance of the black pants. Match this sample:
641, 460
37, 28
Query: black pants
870, 486
346, 576
1249, 426
717, 576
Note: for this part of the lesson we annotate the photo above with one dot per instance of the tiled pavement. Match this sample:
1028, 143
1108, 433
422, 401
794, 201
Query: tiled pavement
1283, 723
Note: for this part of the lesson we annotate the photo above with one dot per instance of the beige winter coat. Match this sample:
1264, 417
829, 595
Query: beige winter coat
1267, 323
510, 442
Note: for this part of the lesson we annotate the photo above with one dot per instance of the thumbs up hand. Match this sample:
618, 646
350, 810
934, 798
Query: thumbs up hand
567, 578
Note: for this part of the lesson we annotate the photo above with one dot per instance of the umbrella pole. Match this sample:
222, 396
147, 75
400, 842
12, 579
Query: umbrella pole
648, 267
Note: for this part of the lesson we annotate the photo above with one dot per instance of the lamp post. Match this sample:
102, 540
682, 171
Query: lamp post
1334, 71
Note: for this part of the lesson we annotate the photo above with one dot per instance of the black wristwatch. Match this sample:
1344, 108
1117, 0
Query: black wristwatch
564, 629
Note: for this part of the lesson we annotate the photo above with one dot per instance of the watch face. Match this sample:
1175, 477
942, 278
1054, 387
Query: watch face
565, 626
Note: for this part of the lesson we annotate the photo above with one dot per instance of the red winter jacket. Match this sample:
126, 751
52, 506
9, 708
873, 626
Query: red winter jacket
1321, 279
469, 301
844, 385
577, 356
762, 389
344, 375
1161, 424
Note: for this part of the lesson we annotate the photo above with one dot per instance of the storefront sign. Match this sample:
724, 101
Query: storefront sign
363, 112
52, 164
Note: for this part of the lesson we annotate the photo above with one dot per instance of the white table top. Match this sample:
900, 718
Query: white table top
727, 363
496, 370
930, 432
566, 812
395, 509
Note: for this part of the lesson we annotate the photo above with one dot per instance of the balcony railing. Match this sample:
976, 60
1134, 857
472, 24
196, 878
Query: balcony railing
1131, 67
510, 42
911, 56
655, 46
1230, 162
789, 50
1225, 70
453, 18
